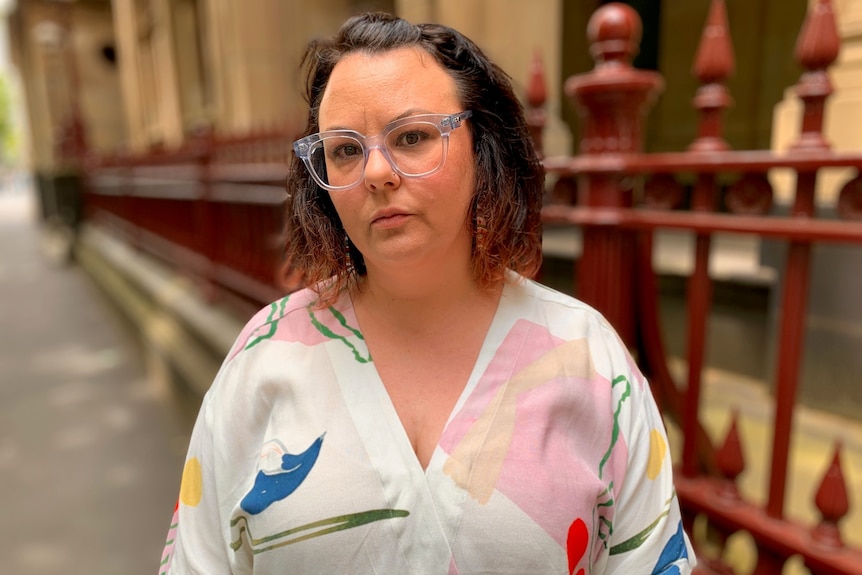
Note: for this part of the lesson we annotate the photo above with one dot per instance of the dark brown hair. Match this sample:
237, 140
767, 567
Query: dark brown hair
509, 176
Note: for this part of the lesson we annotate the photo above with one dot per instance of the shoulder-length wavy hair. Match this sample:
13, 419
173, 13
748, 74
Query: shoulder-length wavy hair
507, 200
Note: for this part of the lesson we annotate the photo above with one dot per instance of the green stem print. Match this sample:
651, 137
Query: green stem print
332, 335
615, 434
276, 310
603, 526
316, 528
638, 539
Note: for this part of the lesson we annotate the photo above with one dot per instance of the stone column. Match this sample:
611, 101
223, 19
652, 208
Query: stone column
125, 28
169, 123
256, 50
45, 79
305, 21
153, 113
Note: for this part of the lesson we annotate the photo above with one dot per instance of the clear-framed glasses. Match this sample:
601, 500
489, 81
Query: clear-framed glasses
414, 146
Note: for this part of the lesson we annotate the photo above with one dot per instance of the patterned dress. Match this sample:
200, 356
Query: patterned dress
554, 459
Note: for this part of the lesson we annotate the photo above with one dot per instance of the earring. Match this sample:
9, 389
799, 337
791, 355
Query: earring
481, 238
348, 259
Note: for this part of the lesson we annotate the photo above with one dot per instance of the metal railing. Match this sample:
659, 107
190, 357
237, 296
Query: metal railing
619, 197
211, 209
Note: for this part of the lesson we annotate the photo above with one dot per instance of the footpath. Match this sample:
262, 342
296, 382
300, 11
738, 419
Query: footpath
91, 448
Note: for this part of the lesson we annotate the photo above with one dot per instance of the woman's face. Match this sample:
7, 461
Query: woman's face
399, 223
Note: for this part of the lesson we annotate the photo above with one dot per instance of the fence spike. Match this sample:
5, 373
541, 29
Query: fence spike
816, 49
730, 459
715, 61
831, 500
819, 42
713, 64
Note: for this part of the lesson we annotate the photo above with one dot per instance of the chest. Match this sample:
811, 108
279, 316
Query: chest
424, 380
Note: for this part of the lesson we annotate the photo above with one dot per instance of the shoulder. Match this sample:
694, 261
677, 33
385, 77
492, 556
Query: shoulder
567, 319
559, 310
295, 318
282, 347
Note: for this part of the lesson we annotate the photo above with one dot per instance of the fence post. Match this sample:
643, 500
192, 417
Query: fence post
612, 101
537, 94
713, 64
816, 50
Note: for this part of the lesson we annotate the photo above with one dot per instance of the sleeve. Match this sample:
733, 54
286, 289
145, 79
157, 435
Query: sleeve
648, 535
195, 544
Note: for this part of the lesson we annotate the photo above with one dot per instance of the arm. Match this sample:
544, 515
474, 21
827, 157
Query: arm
195, 544
648, 536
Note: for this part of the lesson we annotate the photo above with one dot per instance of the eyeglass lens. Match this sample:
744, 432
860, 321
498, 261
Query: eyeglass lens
414, 149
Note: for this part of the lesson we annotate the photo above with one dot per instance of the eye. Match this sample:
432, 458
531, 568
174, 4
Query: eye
345, 151
411, 137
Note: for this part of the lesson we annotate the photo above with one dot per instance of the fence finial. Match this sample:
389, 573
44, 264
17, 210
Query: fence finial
713, 64
819, 42
816, 49
715, 61
614, 33
730, 459
832, 502
613, 98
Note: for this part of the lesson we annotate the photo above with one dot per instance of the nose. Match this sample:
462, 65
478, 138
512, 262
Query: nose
379, 172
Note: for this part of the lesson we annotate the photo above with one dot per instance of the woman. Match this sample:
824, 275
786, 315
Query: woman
423, 407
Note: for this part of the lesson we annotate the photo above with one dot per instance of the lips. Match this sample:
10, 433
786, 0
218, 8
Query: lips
389, 217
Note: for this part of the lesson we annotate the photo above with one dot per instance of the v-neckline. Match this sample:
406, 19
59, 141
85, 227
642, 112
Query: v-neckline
398, 439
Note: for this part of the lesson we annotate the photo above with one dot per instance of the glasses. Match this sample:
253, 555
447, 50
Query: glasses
414, 146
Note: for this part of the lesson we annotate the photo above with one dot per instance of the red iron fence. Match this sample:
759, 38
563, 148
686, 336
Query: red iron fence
212, 209
619, 197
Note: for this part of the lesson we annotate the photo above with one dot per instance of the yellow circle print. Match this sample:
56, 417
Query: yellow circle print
657, 451
191, 488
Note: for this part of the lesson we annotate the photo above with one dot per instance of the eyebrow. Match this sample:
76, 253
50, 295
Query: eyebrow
404, 114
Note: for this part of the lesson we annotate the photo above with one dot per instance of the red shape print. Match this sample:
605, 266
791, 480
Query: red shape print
576, 544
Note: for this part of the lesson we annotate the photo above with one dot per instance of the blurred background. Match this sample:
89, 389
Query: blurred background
143, 147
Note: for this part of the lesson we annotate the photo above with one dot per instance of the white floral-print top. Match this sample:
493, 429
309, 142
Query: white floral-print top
554, 459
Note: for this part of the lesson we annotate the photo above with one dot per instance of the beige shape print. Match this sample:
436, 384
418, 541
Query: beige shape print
476, 462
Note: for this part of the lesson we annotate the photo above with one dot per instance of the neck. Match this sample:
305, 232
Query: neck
418, 300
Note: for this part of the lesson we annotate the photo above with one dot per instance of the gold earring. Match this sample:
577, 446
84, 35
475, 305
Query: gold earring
347, 256
481, 235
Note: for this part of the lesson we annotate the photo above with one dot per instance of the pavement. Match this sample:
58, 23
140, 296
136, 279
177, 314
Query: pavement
93, 430
91, 446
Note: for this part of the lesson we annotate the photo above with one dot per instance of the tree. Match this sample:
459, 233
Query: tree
7, 125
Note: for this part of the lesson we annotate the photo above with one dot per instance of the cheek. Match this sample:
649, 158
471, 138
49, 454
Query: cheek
464, 184
345, 206
452, 193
